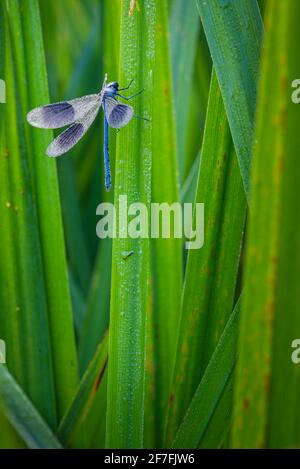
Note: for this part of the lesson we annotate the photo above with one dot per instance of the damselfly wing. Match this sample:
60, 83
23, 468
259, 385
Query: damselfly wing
79, 114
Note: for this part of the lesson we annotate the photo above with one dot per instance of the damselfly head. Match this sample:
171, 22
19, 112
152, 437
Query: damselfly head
111, 89
113, 85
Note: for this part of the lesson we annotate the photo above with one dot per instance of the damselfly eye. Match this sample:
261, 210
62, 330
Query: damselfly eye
114, 85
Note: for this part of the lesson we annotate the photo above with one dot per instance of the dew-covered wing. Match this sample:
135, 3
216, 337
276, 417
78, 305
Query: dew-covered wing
54, 116
67, 139
117, 114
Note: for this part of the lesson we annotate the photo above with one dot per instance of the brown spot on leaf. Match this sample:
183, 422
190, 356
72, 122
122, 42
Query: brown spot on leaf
166, 90
100, 376
246, 403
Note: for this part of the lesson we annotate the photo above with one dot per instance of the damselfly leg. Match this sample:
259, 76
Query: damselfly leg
129, 97
142, 118
126, 88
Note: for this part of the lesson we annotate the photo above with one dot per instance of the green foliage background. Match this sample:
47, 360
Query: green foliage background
165, 348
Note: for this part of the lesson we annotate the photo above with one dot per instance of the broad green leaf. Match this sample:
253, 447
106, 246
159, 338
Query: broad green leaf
8, 436
126, 368
150, 423
85, 394
21, 413
97, 310
268, 382
211, 271
234, 30
217, 431
95, 423
23, 312
76, 243
184, 31
208, 393
73, 24
49, 217
188, 190
98, 302
197, 102
78, 303
166, 254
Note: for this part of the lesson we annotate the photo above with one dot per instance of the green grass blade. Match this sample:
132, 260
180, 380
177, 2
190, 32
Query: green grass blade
23, 321
76, 71
21, 413
97, 312
49, 216
234, 31
85, 394
150, 436
8, 436
126, 367
95, 422
211, 271
73, 24
267, 382
209, 391
111, 27
216, 433
184, 31
166, 254
202, 73
188, 189
262, 6
78, 304
198, 101
76, 245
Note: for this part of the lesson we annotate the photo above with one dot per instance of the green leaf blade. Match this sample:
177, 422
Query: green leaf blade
50, 223
166, 254
234, 32
266, 412
215, 379
23, 415
211, 272
126, 367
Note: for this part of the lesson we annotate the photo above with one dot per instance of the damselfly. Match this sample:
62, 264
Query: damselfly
79, 114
